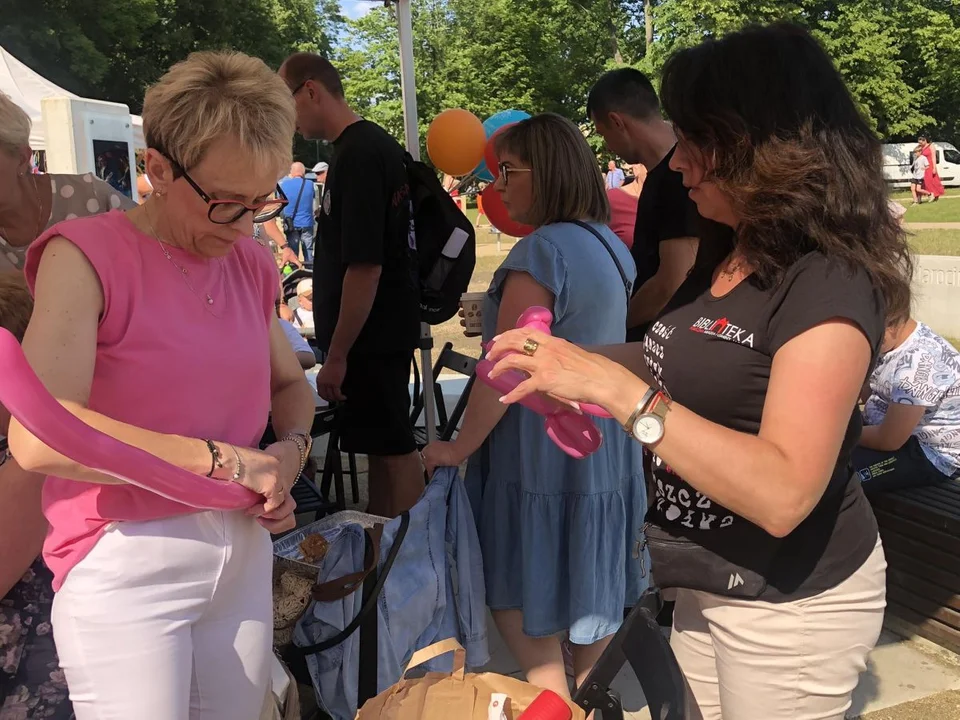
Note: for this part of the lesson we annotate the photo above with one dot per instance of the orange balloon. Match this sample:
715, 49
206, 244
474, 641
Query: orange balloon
456, 141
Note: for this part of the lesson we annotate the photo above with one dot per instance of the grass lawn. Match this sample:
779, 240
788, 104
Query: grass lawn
935, 242
947, 209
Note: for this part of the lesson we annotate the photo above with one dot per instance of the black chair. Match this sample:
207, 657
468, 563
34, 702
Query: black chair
639, 642
448, 359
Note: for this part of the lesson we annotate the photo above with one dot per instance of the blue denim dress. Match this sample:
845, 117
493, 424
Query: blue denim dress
561, 538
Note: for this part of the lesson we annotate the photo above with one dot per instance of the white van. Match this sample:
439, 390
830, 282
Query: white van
897, 158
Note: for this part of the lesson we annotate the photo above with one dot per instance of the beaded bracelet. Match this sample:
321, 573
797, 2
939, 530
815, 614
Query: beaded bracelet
303, 443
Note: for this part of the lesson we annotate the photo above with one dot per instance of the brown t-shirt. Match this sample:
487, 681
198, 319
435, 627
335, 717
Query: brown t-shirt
713, 356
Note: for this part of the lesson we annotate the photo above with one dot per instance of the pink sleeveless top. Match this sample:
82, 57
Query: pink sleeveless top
164, 363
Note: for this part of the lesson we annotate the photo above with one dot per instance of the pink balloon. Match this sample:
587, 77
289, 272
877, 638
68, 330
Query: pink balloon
577, 435
25, 397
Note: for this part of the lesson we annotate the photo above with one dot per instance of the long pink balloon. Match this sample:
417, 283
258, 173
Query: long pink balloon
576, 435
25, 397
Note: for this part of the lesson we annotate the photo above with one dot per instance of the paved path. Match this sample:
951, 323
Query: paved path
932, 225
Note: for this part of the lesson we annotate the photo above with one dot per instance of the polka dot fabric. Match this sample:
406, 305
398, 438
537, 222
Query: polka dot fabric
73, 196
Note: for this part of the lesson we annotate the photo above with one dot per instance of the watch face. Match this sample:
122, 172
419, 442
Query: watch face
648, 429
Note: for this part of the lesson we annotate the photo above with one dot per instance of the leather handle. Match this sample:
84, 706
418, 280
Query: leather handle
341, 587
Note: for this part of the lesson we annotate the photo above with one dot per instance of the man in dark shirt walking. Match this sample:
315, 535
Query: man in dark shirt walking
366, 304
626, 111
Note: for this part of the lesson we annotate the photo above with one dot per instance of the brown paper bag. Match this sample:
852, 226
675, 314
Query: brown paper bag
459, 696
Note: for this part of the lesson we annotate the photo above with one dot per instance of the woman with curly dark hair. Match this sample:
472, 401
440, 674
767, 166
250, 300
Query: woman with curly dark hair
745, 389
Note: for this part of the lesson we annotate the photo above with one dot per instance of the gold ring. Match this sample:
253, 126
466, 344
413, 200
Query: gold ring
530, 347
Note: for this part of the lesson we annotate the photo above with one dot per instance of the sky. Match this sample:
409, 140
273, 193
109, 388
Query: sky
356, 8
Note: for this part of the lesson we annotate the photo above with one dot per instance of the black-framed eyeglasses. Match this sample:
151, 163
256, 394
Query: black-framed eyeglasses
299, 87
225, 212
505, 171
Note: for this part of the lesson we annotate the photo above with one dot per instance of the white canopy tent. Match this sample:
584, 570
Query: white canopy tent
27, 88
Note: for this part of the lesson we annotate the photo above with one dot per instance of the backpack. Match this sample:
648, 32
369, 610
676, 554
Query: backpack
445, 242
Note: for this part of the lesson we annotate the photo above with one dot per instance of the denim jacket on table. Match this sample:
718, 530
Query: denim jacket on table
434, 591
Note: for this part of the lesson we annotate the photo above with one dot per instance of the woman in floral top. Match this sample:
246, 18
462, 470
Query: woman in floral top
31, 683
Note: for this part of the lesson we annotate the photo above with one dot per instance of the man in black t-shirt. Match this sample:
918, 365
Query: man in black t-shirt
626, 111
366, 304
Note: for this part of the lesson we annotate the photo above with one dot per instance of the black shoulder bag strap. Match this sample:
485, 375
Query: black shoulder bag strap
296, 204
628, 288
370, 594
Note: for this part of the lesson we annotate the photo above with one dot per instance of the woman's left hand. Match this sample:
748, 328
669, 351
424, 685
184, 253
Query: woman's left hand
441, 454
562, 371
288, 453
281, 519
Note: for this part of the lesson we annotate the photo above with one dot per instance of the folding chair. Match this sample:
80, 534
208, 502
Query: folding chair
448, 359
639, 642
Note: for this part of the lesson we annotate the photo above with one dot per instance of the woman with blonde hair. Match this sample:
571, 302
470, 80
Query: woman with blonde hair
166, 314
560, 537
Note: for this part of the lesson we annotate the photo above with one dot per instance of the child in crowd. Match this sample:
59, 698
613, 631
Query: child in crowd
918, 170
912, 414
299, 344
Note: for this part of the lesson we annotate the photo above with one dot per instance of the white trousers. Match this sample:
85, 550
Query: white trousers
801, 660
169, 620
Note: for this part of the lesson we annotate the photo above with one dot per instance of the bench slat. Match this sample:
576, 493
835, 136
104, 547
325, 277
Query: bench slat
912, 565
924, 589
932, 630
943, 501
950, 487
918, 550
901, 596
918, 522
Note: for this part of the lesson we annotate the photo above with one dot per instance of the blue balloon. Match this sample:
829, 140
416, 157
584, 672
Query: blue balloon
490, 126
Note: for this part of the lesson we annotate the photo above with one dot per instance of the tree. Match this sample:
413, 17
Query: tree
113, 49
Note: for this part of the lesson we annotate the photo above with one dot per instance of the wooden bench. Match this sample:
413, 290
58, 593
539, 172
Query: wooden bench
920, 529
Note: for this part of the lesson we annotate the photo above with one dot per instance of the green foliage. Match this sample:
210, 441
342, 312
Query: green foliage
900, 58
113, 49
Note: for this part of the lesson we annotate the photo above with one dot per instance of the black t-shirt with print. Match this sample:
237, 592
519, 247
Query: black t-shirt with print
365, 219
664, 212
713, 356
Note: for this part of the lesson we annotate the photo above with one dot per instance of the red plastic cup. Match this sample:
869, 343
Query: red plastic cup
547, 706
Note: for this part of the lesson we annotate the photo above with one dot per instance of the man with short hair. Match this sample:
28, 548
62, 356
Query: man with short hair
366, 307
626, 111
615, 176
299, 211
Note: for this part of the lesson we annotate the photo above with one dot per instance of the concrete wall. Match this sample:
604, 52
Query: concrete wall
936, 287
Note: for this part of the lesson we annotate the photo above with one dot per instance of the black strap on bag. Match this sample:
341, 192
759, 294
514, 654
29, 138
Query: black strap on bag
627, 286
296, 205
369, 606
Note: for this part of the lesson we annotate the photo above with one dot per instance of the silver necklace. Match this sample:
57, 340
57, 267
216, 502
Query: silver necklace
207, 298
